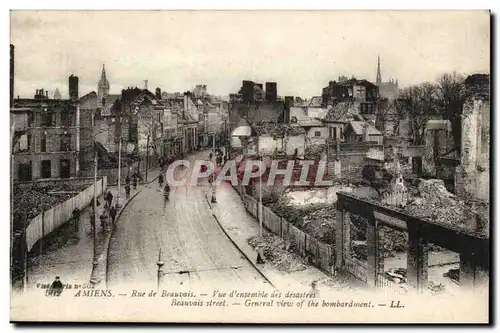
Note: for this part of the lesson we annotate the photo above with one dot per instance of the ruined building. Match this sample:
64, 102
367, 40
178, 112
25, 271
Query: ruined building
472, 179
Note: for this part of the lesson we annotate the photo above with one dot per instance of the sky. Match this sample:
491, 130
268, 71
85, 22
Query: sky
300, 50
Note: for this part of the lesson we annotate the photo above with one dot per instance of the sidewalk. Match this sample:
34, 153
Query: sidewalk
239, 226
72, 259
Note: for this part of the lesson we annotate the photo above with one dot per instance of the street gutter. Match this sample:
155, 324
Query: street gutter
246, 255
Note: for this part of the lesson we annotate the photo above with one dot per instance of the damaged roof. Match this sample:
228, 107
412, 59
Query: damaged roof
357, 127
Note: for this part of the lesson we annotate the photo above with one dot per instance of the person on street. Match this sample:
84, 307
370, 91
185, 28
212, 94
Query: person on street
76, 218
134, 182
92, 221
97, 204
127, 180
104, 220
109, 198
127, 191
219, 160
160, 180
112, 214
210, 156
314, 289
166, 194
56, 287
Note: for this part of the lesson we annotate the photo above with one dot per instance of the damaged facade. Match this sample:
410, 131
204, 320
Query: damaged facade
473, 174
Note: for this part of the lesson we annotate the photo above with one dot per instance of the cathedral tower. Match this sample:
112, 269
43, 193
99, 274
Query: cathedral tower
379, 76
102, 86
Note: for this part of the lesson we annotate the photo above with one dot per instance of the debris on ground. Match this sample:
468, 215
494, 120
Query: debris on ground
37, 199
275, 251
436, 203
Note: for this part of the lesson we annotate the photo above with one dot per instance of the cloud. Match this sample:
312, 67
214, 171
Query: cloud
300, 50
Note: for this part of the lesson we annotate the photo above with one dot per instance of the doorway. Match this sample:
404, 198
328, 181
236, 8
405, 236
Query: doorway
46, 169
64, 169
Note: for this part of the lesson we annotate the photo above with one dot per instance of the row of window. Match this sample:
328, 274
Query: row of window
367, 108
25, 143
49, 119
25, 170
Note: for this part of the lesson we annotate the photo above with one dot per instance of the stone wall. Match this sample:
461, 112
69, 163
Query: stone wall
472, 178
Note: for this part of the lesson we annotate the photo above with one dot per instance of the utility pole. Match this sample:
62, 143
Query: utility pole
146, 84
94, 278
260, 188
160, 264
147, 156
119, 165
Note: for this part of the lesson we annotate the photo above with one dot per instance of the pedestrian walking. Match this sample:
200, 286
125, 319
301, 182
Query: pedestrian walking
104, 220
112, 214
92, 221
127, 180
127, 191
160, 180
97, 204
109, 198
76, 219
134, 182
166, 194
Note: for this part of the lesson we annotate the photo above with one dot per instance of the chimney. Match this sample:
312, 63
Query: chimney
186, 96
158, 93
47, 94
73, 87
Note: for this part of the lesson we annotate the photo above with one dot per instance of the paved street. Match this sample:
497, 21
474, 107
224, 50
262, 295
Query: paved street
71, 256
195, 250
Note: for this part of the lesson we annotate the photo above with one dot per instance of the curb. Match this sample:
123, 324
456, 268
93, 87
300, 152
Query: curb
236, 245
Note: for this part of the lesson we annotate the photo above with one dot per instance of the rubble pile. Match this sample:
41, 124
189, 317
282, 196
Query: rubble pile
274, 250
320, 224
35, 200
436, 203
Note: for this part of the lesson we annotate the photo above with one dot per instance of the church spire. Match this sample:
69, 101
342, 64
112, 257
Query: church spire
102, 85
379, 76
103, 74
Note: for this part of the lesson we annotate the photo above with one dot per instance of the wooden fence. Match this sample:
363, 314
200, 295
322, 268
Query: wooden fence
51, 219
320, 254
357, 268
384, 283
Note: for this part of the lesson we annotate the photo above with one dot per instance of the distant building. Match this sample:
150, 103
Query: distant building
354, 89
49, 143
388, 89
57, 94
271, 91
102, 86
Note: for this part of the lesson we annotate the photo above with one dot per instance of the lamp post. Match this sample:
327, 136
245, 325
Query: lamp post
94, 277
119, 166
260, 188
160, 264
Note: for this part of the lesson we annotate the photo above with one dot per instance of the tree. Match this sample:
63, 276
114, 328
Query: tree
417, 103
452, 93
384, 114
